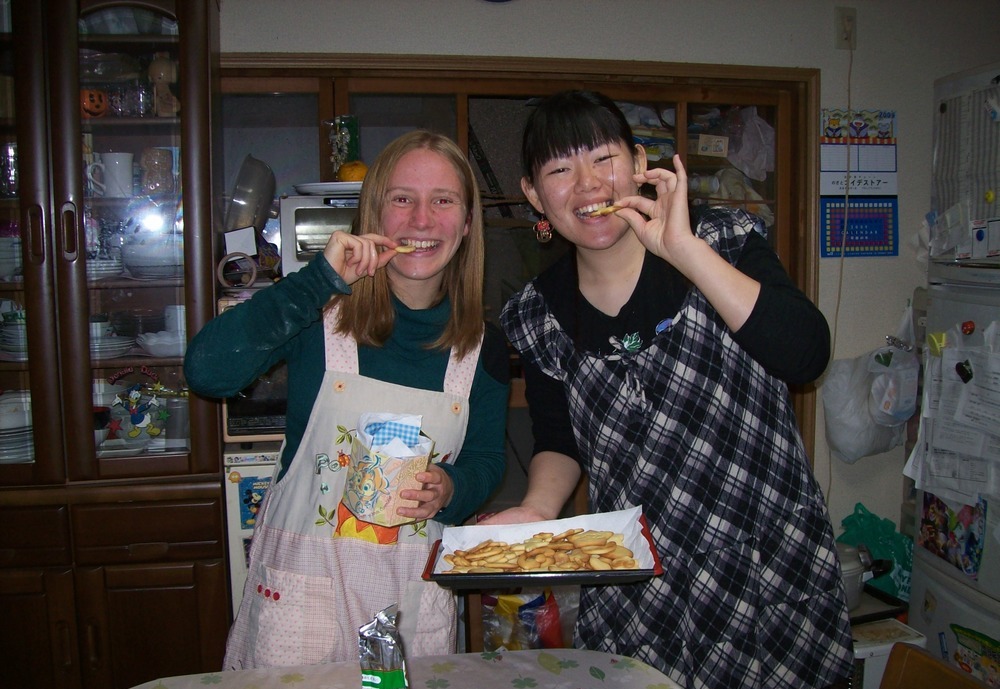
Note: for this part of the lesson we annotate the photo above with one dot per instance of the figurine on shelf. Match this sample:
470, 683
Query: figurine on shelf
162, 73
92, 233
93, 103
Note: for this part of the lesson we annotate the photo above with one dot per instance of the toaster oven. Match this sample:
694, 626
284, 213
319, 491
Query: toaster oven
308, 221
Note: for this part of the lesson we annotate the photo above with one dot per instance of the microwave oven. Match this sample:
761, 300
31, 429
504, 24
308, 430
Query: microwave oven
307, 223
256, 413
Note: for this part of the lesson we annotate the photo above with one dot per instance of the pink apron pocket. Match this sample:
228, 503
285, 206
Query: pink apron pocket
436, 624
290, 618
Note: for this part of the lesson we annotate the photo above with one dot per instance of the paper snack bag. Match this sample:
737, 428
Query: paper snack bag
375, 478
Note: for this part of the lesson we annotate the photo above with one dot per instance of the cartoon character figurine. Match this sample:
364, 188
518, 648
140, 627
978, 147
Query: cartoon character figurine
138, 412
162, 73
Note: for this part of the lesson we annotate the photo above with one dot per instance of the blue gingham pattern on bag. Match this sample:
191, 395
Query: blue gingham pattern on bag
382, 432
694, 431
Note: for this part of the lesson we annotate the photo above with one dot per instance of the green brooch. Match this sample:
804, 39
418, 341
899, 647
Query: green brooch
632, 343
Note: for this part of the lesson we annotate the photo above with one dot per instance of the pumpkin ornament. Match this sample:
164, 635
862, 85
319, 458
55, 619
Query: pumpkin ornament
93, 103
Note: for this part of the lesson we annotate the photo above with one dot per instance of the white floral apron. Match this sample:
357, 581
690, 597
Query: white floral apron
317, 573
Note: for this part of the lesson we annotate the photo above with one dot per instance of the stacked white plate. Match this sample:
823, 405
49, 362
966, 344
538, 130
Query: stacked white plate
110, 347
16, 443
14, 341
10, 257
104, 267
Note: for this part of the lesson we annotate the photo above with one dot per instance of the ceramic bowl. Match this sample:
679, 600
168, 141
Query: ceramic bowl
153, 248
162, 344
154, 256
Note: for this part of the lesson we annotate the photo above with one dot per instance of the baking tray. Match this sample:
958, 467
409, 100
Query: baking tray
629, 522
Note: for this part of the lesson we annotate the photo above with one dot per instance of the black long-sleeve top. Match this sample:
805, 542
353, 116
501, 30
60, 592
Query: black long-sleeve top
786, 333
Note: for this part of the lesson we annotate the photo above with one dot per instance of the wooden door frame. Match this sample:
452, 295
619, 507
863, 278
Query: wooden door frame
796, 91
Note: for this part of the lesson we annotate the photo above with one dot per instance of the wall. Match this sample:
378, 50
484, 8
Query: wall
903, 46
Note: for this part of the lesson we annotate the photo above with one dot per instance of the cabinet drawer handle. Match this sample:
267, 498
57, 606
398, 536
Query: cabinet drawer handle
66, 643
69, 232
36, 234
93, 650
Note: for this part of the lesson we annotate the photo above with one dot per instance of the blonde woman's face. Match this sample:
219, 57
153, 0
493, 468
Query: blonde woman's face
424, 207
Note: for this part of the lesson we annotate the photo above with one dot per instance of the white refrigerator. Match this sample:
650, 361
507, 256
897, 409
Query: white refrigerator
955, 464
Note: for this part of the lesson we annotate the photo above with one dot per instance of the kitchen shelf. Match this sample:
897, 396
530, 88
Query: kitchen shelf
108, 283
94, 124
137, 360
120, 42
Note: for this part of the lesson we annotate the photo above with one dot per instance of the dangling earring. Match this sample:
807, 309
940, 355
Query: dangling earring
543, 231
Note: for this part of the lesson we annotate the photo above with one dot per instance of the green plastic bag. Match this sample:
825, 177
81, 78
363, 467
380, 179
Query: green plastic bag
885, 543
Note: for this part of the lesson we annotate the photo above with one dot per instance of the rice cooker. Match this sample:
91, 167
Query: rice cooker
857, 566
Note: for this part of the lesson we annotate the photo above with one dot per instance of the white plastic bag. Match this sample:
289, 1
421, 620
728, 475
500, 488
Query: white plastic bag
851, 431
867, 400
893, 398
753, 155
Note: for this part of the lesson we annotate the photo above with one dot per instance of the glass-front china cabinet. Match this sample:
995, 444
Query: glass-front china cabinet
106, 224
112, 553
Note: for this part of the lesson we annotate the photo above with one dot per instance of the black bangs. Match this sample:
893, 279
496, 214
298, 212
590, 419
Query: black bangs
571, 121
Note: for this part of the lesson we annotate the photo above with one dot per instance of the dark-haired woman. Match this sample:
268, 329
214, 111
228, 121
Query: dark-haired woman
656, 361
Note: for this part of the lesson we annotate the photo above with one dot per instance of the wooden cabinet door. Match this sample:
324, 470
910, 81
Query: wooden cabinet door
140, 622
130, 252
38, 633
31, 449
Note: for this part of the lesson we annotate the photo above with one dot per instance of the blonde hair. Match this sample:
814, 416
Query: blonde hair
367, 313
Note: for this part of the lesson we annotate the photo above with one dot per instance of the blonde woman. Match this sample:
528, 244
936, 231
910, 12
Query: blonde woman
366, 328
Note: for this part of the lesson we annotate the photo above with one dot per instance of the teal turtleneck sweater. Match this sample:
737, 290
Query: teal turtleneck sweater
283, 323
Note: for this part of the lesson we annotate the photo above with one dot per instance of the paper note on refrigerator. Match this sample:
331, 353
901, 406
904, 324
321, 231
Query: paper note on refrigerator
979, 398
957, 453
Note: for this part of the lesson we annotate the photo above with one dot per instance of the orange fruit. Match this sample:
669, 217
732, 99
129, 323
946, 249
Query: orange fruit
352, 171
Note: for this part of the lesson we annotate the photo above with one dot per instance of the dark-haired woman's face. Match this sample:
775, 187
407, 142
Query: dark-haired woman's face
567, 188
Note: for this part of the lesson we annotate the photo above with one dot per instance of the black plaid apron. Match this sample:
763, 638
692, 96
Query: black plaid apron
693, 430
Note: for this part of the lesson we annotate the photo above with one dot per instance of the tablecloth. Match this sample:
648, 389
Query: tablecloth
535, 669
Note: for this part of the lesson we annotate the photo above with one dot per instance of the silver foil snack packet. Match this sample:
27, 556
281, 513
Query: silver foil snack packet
380, 652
